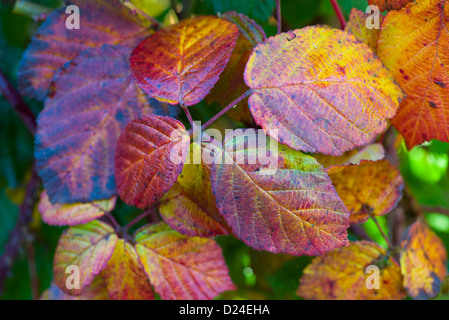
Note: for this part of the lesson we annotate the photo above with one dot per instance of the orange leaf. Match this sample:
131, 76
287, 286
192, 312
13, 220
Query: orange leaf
342, 275
413, 45
423, 261
88, 247
293, 210
189, 207
144, 167
385, 5
53, 44
332, 107
73, 214
231, 84
125, 277
180, 267
357, 26
181, 63
371, 188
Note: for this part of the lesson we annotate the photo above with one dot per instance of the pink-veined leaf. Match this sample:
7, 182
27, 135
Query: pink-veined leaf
181, 63
293, 209
150, 155
306, 88
181, 267
87, 247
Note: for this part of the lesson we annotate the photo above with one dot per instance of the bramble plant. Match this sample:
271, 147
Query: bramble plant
314, 119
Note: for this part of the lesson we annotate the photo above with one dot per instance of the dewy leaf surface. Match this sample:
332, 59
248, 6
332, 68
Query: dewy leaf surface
92, 100
189, 207
180, 267
150, 156
371, 188
423, 261
357, 26
73, 214
414, 46
388, 5
88, 247
342, 275
293, 210
181, 63
321, 89
101, 22
124, 276
231, 84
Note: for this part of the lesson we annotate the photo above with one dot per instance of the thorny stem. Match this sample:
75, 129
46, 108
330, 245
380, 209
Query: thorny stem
339, 13
390, 246
111, 218
154, 23
16, 101
226, 109
279, 15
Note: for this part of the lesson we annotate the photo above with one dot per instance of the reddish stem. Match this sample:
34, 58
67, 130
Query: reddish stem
189, 116
226, 109
339, 13
279, 15
16, 101
390, 246
146, 213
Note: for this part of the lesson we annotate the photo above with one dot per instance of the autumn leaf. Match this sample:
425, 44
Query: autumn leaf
88, 247
342, 275
357, 26
368, 189
328, 106
96, 291
189, 207
73, 214
82, 120
181, 267
124, 276
150, 155
181, 63
387, 5
231, 84
53, 44
372, 152
293, 209
423, 261
413, 45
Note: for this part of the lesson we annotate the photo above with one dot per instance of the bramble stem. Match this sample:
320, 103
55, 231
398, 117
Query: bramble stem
142, 216
154, 23
111, 218
189, 116
339, 13
226, 109
390, 246
16, 101
279, 15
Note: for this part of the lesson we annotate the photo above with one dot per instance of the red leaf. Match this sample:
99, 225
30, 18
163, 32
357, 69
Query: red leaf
181, 63
180, 267
145, 169
92, 100
53, 44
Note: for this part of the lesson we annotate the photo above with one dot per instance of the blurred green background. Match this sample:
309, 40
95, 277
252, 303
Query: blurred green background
258, 275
